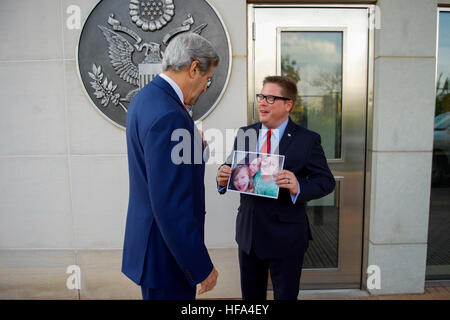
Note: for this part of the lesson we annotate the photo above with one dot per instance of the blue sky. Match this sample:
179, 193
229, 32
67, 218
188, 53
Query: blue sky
314, 52
444, 45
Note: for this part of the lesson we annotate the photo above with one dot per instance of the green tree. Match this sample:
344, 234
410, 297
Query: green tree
442, 96
290, 69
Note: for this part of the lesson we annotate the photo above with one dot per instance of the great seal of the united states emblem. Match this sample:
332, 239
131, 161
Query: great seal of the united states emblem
122, 44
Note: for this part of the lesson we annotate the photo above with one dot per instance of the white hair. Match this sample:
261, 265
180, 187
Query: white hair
186, 48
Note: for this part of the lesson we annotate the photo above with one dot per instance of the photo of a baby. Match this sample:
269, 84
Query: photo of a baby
255, 173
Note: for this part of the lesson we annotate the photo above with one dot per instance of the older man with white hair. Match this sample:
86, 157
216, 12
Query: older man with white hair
164, 250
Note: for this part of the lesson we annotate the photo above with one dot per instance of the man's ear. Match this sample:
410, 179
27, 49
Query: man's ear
290, 104
194, 68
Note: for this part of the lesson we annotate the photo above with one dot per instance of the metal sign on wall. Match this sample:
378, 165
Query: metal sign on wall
122, 44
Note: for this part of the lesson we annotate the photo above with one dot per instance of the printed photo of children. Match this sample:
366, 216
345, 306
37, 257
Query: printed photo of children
255, 173
241, 179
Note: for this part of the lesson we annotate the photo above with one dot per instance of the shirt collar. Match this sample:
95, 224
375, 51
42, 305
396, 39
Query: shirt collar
278, 132
174, 86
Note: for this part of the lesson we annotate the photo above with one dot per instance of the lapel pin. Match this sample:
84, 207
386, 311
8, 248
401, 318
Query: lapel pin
289, 134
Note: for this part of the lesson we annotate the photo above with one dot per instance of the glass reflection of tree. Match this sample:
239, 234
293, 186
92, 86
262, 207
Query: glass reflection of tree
322, 112
329, 81
328, 108
440, 174
290, 69
442, 96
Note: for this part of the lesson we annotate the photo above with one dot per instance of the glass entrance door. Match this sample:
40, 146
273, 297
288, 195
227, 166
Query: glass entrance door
325, 50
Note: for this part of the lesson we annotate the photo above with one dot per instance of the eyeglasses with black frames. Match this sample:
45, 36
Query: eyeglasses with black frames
270, 99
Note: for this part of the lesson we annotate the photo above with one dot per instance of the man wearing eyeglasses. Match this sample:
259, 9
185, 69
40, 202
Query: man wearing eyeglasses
273, 234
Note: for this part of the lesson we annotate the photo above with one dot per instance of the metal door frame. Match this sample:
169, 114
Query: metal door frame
323, 278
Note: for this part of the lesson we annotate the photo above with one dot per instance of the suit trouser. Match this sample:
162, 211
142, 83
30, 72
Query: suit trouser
180, 291
285, 274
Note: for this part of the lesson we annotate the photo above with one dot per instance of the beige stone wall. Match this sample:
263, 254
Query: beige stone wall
400, 144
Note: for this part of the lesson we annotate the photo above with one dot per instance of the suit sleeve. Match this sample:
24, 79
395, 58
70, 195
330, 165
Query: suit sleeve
318, 181
228, 162
172, 198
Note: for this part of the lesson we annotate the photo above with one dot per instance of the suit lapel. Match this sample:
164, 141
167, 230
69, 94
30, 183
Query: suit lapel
287, 137
251, 144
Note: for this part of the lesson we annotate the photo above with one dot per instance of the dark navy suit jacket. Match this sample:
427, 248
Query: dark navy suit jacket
164, 234
278, 228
